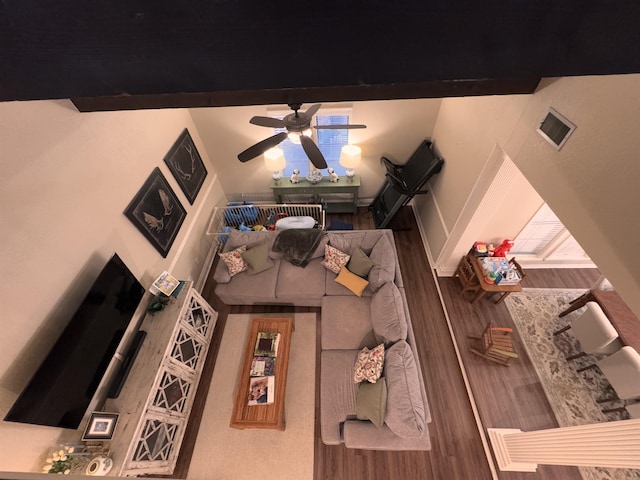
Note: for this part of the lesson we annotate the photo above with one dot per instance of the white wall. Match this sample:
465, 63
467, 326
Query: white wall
591, 184
67, 178
395, 128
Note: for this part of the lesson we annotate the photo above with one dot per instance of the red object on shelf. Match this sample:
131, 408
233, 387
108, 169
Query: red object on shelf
504, 248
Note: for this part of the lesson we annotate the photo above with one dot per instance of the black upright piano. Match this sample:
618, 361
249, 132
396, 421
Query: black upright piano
402, 182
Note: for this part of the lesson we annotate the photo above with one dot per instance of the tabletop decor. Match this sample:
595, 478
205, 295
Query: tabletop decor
65, 460
157, 212
100, 426
314, 176
186, 165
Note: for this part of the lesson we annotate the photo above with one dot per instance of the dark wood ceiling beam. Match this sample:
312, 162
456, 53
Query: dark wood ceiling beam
441, 89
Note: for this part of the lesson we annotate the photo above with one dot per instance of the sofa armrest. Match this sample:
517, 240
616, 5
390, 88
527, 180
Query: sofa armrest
365, 435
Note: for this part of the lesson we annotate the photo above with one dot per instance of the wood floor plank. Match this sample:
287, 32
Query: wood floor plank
506, 396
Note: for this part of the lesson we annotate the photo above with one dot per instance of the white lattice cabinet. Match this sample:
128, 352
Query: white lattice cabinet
156, 400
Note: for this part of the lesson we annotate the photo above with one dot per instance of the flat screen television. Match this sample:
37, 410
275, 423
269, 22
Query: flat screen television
62, 388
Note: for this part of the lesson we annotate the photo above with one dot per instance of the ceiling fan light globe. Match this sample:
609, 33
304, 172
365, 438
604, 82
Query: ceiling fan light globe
294, 137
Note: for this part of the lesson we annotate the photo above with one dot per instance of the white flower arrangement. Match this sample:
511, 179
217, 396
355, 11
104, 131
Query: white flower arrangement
61, 461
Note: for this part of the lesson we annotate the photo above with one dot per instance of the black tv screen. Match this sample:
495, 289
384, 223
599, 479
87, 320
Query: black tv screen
60, 391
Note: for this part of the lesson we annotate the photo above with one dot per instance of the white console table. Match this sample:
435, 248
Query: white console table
156, 399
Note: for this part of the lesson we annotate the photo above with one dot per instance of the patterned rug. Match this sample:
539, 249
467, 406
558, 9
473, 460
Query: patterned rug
572, 395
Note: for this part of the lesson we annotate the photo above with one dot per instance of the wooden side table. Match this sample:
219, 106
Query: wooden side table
317, 190
504, 290
268, 415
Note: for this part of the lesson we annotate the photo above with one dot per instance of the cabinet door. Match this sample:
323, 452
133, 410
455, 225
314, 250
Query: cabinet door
198, 315
157, 446
173, 391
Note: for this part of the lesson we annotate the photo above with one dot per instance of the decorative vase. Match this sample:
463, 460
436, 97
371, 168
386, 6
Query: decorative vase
99, 466
314, 176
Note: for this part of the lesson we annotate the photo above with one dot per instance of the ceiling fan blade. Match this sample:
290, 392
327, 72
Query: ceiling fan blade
311, 111
338, 127
261, 147
267, 122
313, 152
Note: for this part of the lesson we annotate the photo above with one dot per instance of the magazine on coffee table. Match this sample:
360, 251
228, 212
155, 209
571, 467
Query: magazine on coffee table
261, 390
263, 366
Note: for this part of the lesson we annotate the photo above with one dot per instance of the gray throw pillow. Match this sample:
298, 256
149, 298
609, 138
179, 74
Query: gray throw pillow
387, 314
406, 416
360, 263
258, 259
371, 402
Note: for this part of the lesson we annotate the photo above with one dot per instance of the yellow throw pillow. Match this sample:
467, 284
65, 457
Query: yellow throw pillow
352, 281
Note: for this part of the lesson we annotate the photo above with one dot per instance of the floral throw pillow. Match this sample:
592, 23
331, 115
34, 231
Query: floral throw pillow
234, 261
334, 259
369, 364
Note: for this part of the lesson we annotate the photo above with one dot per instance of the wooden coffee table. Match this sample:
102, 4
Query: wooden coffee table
263, 416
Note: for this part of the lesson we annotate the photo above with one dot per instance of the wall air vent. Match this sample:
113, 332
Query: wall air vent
555, 129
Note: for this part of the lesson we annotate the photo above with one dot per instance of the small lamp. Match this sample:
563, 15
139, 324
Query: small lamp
274, 160
350, 159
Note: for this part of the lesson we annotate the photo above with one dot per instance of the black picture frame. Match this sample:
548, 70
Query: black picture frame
100, 426
157, 212
186, 165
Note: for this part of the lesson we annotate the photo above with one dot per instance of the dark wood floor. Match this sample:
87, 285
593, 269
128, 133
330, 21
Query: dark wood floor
509, 397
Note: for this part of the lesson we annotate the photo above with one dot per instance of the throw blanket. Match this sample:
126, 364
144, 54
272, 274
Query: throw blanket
297, 245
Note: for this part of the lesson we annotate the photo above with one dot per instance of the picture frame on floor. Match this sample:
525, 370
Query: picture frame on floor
186, 165
156, 212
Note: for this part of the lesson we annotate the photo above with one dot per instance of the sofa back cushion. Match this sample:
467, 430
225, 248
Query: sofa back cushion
406, 415
387, 314
384, 260
250, 239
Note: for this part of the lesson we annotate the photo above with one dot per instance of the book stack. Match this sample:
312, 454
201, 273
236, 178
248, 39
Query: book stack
262, 382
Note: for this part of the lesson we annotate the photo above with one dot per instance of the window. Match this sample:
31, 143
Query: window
330, 143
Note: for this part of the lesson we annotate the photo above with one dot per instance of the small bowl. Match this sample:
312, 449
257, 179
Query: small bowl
314, 176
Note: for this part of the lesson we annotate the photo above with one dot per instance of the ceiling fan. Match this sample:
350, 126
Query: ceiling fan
297, 124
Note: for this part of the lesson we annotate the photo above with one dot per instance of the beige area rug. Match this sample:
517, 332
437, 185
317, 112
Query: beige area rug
572, 395
227, 453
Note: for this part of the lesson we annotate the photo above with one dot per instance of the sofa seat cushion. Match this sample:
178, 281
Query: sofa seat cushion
345, 323
337, 392
298, 282
406, 416
245, 289
387, 314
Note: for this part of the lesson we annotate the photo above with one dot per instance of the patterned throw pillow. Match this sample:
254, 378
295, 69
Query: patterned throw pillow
234, 261
334, 259
369, 364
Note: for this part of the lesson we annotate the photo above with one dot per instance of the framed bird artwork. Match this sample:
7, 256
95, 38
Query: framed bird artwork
157, 212
186, 165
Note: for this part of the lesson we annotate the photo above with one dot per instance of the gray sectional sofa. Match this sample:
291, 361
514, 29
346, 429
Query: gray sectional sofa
348, 324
